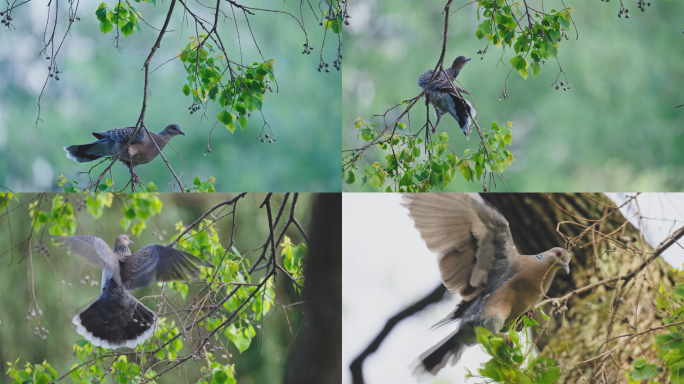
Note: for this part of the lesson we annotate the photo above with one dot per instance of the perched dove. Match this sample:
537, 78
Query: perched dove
477, 259
444, 99
110, 143
117, 319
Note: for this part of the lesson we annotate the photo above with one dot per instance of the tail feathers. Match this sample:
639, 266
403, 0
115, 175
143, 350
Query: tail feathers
457, 110
116, 322
86, 153
446, 352
455, 315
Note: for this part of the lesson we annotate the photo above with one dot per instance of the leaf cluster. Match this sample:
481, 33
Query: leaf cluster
406, 170
123, 16
509, 363
670, 344
504, 25
242, 93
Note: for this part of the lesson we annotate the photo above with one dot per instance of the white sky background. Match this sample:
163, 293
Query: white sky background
387, 267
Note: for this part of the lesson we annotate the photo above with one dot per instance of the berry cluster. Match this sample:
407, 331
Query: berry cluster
266, 136
624, 11
307, 49
323, 65
53, 72
6, 19
337, 63
41, 332
194, 107
562, 84
31, 313
40, 248
641, 4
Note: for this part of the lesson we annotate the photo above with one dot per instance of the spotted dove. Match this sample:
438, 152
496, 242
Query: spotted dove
445, 99
117, 319
110, 143
477, 259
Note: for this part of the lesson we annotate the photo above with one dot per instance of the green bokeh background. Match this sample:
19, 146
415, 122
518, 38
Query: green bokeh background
101, 88
264, 362
617, 129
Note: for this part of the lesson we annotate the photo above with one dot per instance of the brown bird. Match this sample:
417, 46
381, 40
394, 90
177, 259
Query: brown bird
117, 319
444, 99
110, 143
477, 259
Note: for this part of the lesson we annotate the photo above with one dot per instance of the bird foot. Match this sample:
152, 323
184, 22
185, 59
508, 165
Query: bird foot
529, 313
136, 178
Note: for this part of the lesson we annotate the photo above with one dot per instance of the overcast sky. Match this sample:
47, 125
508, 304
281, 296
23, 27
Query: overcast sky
386, 267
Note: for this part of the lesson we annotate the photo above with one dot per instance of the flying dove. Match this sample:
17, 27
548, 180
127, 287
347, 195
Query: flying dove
117, 319
110, 143
444, 99
477, 259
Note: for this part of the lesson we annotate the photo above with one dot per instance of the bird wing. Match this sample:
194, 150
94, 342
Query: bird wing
441, 83
121, 135
468, 236
91, 249
157, 263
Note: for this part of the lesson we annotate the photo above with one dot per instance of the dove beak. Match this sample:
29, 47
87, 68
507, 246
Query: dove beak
565, 266
468, 59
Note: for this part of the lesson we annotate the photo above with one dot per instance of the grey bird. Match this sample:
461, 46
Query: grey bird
117, 319
444, 99
477, 259
110, 143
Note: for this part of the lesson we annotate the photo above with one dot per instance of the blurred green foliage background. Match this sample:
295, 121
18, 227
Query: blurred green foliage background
264, 362
101, 88
616, 129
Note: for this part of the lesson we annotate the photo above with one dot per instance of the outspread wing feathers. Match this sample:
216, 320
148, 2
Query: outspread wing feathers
468, 236
93, 250
157, 263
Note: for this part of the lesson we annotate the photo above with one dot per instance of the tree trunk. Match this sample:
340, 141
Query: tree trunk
318, 359
581, 332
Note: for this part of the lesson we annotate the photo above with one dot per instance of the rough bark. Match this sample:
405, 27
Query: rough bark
318, 358
580, 333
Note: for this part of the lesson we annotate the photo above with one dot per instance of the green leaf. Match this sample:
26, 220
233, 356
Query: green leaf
101, 11
375, 180
106, 27
186, 89
225, 117
679, 292
350, 178
130, 214
243, 122
535, 69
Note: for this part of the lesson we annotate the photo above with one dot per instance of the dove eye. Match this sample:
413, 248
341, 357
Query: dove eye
558, 253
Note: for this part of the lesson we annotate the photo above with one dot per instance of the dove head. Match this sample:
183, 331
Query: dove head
172, 130
460, 62
559, 258
121, 245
